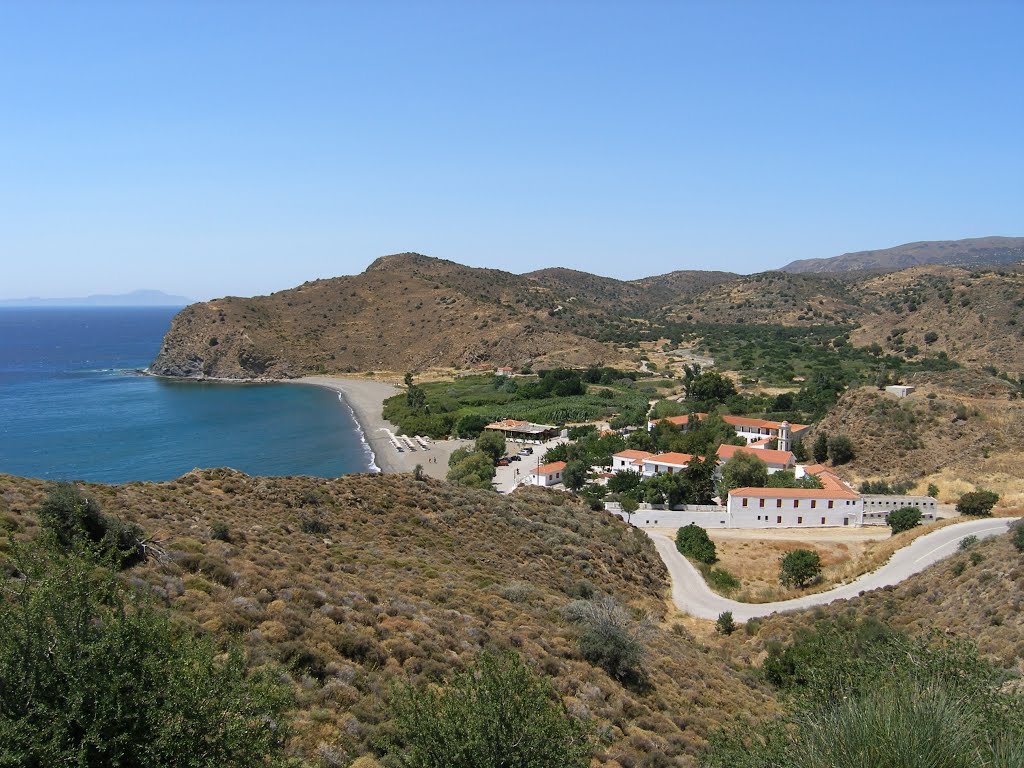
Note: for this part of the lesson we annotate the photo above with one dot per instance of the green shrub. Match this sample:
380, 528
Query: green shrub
498, 713
693, 541
904, 518
722, 580
610, 638
219, 531
73, 521
92, 675
1018, 537
799, 568
314, 524
977, 503
863, 695
967, 542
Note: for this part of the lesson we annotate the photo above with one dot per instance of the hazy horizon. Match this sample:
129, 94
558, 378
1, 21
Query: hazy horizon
286, 143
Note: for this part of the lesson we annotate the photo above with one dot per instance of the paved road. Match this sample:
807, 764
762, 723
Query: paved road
692, 595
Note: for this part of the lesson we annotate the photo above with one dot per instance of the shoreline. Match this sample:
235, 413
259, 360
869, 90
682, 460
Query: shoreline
365, 399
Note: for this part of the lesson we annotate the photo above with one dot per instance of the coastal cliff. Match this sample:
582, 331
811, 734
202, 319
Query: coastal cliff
404, 313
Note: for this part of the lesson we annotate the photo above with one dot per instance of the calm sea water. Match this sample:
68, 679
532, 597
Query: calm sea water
71, 409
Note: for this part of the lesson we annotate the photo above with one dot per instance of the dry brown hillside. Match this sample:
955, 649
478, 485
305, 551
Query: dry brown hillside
958, 424
772, 298
409, 580
976, 316
977, 594
405, 312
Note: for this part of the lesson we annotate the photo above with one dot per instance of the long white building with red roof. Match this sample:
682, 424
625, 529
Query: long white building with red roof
835, 504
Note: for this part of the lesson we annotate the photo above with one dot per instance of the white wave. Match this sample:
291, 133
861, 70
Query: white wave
362, 436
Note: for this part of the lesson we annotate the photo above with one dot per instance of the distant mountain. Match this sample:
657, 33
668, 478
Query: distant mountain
971, 252
141, 298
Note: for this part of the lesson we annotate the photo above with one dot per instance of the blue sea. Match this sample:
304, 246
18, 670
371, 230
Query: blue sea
73, 407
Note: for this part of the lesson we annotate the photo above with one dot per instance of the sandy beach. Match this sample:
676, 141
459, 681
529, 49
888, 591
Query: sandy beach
365, 397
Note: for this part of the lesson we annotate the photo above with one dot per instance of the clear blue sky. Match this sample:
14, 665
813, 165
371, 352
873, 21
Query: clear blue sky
211, 148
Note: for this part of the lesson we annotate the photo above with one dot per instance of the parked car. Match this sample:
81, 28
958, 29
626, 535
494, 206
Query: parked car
501, 463
526, 452
515, 458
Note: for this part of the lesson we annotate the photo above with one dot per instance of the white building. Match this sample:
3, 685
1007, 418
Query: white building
629, 461
900, 390
665, 463
547, 474
836, 504
877, 507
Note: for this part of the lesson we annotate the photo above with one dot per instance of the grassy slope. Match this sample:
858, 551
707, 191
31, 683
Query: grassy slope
410, 581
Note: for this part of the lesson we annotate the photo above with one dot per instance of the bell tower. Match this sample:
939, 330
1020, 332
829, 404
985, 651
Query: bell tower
785, 442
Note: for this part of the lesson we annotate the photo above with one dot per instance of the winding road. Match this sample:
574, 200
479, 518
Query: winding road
692, 595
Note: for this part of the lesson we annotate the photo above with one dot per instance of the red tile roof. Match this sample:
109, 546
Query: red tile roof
549, 469
632, 454
795, 493
768, 456
675, 459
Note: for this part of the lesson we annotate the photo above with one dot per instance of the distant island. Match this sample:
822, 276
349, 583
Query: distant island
140, 298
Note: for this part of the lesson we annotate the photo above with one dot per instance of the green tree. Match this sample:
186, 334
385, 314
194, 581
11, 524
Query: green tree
471, 425
977, 503
92, 675
574, 476
498, 713
799, 568
693, 541
492, 443
725, 625
904, 518
699, 480
933, 490
474, 470
415, 397
743, 470
624, 481
799, 452
710, 387
840, 450
629, 506
820, 448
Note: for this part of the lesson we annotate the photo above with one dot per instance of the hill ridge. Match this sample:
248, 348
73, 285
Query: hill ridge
969, 251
